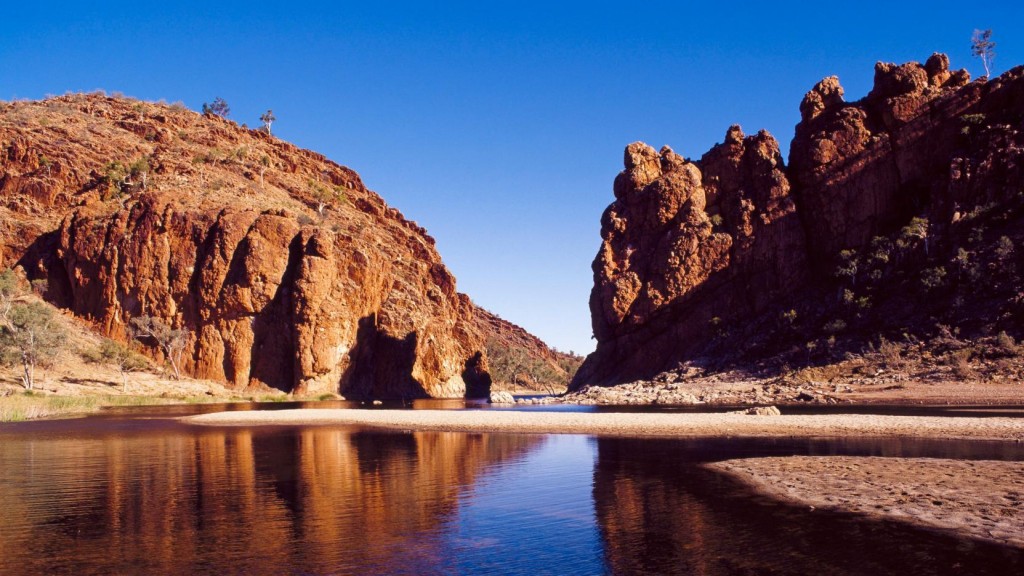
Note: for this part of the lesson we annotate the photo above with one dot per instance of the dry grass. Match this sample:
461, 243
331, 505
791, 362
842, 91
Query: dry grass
27, 406
960, 360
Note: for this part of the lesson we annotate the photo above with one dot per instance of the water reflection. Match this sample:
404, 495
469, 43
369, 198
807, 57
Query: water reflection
660, 512
147, 495
312, 500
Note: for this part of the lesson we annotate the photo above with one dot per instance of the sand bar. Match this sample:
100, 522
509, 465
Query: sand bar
981, 499
632, 424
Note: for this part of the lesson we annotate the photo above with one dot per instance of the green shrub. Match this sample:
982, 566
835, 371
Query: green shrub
1006, 344
1004, 249
933, 278
834, 327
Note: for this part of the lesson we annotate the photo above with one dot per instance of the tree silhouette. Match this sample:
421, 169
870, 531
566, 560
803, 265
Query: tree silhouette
219, 107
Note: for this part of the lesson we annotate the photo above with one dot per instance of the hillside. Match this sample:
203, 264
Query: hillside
283, 268
892, 242
519, 360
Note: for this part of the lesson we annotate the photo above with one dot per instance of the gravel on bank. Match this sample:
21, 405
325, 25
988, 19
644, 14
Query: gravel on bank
981, 499
632, 424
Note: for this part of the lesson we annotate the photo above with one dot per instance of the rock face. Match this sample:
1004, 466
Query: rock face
285, 270
686, 244
689, 246
864, 168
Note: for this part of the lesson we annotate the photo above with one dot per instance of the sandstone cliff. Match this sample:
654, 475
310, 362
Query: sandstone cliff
870, 230
285, 270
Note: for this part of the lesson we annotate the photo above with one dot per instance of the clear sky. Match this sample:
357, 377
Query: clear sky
497, 126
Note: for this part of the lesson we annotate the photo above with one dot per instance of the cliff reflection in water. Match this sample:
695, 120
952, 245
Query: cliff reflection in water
660, 512
309, 500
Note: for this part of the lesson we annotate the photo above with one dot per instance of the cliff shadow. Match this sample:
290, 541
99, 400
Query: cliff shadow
477, 378
273, 346
660, 511
381, 365
41, 262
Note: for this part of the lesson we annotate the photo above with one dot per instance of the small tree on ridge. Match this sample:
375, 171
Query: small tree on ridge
219, 107
983, 47
268, 118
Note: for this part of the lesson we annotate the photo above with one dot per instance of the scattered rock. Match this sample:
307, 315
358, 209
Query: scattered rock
760, 411
502, 398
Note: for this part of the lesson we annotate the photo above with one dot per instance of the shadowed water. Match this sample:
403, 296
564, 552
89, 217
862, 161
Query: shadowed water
131, 492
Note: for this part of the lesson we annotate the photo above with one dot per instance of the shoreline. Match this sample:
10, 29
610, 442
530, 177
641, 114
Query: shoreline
634, 424
982, 499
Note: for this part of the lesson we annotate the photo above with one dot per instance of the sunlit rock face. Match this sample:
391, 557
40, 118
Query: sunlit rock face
689, 246
286, 271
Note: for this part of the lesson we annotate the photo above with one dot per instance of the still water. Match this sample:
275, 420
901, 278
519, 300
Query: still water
136, 492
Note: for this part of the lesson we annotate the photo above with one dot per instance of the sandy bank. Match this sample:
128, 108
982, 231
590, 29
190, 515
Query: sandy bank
981, 499
626, 424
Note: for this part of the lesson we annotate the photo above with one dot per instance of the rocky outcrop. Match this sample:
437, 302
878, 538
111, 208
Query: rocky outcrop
864, 168
686, 244
689, 247
283, 268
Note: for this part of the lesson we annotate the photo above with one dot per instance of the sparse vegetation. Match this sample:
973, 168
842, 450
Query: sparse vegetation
119, 179
139, 171
834, 326
1006, 344
121, 357
170, 341
846, 268
933, 278
960, 361
268, 119
513, 367
326, 195
914, 232
264, 165
29, 406
45, 163
1004, 249
29, 335
973, 119
890, 353
219, 107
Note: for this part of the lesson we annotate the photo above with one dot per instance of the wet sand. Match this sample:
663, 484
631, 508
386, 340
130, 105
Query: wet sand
633, 424
980, 499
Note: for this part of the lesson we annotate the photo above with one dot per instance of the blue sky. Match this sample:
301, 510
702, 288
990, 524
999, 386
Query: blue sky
499, 127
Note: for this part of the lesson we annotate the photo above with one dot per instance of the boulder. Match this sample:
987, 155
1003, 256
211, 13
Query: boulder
502, 397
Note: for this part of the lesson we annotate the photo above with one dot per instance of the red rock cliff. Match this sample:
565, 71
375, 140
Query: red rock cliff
691, 245
286, 271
